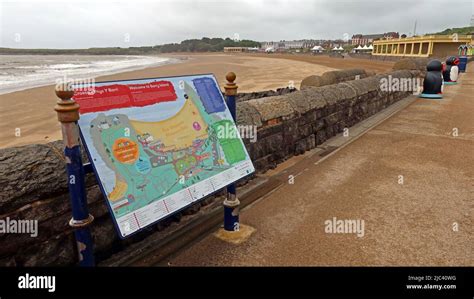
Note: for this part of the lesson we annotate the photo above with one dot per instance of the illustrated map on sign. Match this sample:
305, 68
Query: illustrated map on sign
158, 145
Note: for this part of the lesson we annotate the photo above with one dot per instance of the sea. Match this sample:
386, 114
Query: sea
20, 72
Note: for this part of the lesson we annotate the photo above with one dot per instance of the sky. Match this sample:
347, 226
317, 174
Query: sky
102, 23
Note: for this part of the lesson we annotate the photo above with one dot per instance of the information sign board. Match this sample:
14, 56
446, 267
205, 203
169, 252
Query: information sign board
158, 145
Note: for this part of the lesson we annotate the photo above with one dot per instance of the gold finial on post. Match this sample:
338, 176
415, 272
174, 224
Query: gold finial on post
66, 107
230, 87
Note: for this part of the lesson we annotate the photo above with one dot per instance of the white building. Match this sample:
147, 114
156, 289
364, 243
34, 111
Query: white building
295, 44
273, 45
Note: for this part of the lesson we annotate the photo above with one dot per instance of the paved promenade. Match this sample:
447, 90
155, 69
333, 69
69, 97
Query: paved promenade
425, 220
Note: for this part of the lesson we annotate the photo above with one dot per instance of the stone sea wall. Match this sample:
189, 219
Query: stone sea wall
292, 124
33, 178
263, 94
334, 77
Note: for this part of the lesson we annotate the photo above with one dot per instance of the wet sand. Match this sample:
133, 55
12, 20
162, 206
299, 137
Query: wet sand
31, 111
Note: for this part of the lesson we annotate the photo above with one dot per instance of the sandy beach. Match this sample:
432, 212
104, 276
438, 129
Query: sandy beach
32, 110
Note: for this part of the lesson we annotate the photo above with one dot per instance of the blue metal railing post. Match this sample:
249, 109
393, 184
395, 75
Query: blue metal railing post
231, 203
68, 114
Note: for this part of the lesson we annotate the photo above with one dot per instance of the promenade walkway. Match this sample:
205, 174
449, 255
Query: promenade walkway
425, 220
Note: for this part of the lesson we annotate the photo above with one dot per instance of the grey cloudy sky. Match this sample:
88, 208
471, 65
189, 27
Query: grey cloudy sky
82, 24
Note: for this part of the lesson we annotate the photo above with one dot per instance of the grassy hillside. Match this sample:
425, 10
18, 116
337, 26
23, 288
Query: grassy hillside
460, 31
206, 45
192, 45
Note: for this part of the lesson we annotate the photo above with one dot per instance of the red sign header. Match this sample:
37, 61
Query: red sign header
104, 98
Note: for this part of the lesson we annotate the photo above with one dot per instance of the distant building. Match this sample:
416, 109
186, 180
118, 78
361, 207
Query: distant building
337, 43
235, 49
273, 45
365, 39
295, 44
391, 35
310, 43
290, 45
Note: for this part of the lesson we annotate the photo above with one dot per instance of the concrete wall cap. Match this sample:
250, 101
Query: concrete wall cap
248, 115
272, 107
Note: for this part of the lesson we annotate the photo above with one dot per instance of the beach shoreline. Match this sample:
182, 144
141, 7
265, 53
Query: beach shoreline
28, 116
46, 81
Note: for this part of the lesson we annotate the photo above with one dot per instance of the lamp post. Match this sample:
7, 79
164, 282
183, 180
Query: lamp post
231, 203
68, 115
